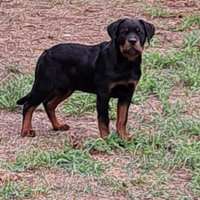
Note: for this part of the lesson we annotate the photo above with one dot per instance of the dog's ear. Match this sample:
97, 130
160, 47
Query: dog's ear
112, 28
149, 29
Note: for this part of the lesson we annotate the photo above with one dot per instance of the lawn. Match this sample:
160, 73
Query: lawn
162, 161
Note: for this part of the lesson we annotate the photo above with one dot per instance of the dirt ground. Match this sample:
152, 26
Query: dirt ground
27, 27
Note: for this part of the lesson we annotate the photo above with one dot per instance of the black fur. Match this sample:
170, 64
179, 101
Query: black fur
108, 69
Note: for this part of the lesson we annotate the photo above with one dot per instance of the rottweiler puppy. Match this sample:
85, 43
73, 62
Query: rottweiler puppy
109, 69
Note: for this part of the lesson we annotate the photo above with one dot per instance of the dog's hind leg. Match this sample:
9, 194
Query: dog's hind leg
27, 129
50, 105
37, 96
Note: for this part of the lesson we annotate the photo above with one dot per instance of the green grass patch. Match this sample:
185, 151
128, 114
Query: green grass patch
116, 186
170, 142
191, 20
74, 161
80, 103
15, 87
161, 72
188, 66
112, 143
13, 190
188, 21
157, 11
175, 144
192, 39
83, 103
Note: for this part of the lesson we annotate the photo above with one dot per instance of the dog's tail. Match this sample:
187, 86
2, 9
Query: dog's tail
23, 99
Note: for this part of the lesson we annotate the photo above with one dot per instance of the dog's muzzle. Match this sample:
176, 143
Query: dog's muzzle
135, 46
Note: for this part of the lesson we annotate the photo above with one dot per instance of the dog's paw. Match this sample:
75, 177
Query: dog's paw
124, 135
127, 137
28, 133
61, 127
104, 134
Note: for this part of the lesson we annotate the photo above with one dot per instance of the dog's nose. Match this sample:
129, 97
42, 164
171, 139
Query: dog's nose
132, 40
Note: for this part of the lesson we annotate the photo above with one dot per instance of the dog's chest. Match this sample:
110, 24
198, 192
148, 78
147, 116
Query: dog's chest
122, 88
124, 82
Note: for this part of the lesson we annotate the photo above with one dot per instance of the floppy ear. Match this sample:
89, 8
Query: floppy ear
149, 29
112, 28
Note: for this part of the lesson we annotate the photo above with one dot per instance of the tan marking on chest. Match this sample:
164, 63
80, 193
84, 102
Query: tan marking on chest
124, 83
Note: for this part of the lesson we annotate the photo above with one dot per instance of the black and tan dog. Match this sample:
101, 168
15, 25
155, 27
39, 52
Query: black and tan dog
109, 69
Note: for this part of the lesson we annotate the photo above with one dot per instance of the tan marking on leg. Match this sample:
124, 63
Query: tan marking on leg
104, 130
135, 85
121, 121
27, 129
50, 109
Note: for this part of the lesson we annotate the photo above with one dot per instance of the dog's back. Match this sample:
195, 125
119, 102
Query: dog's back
109, 69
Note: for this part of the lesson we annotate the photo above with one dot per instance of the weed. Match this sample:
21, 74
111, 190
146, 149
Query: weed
113, 142
173, 110
17, 86
192, 39
73, 161
154, 43
78, 2
80, 103
83, 103
42, 189
191, 20
161, 72
115, 186
188, 21
157, 12
189, 66
12, 69
153, 82
88, 189
12, 190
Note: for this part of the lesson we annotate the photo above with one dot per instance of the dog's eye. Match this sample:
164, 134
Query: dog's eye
125, 31
138, 31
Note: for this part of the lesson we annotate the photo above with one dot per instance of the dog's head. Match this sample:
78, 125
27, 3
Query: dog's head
130, 36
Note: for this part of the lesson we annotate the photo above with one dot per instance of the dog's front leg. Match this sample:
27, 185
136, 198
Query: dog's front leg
122, 116
103, 118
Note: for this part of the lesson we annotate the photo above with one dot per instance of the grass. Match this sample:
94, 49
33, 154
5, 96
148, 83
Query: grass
83, 103
192, 20
13, 190
73, 161
188, 22
162, 72
172, 148
80, 103
157, 11
192, 39
17, 86
113, 142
